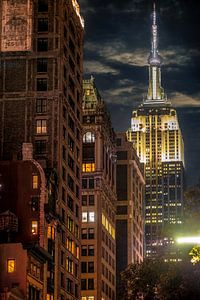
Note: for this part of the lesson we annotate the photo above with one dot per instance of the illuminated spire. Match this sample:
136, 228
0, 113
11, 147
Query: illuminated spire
155, 91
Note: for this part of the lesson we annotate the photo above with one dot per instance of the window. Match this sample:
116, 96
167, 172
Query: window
84, 183
41, 84
42, 5
84, 250
90, 233
84, 200
70, 182
84, 233
89, 137
70, 203
42, 65
11, 265
83, 284
34, 203
69, 265
90, 250
91, 183
90, 267
84, 217
91, 216
42, 45
34, 227
69, 285
88, 167
41, 126
83, 267
91, 200
43, 24
41, 106
40, 147
90, 284
51, 232
70, 143
35, 181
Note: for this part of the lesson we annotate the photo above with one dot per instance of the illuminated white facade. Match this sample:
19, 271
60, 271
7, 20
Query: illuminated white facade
157, 137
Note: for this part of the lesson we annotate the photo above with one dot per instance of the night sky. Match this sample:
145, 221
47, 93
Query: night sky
117, 44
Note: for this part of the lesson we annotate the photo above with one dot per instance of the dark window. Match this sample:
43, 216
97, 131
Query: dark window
70, 162
90, 250
42, 5
63, 194
71, 85
64, 153
121, 182
90, 267
91, 233
84, 233
91, 183
41, 106
84, 200
71, 46
77, 211
91, 200
77, 191
90, 284
84, 183
83, 267
88, 152
84, 250
119, 142
43, 24
42, 64
76, 290
40, 147
70, 182
83, 284
41, 84
69, 286
71, 124
70, 143
122, 155
122, 210
34, 203
42, 45
71, 103
70, 202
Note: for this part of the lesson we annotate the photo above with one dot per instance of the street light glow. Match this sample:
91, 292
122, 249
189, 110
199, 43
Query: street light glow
188, 240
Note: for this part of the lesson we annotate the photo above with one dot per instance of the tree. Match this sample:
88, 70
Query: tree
159, 280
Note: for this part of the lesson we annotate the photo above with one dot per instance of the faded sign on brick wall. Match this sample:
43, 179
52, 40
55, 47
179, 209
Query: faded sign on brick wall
16, 26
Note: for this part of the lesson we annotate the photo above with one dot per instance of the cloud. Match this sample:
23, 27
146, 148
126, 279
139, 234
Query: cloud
179, 99
118, 51
96, 67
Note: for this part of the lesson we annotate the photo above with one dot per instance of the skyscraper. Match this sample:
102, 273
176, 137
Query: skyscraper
156, 135
98, 249
41, 45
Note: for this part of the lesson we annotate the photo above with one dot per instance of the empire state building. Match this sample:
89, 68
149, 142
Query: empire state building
156, 135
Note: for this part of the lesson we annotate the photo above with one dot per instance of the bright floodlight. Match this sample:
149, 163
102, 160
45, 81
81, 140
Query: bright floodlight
189, 240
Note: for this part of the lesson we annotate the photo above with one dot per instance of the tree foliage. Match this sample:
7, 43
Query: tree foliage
155, 279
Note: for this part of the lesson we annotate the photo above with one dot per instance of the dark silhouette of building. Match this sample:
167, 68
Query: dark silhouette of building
98, 250
130, 207
40, 103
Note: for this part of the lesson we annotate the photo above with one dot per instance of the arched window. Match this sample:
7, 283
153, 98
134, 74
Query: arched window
88, 137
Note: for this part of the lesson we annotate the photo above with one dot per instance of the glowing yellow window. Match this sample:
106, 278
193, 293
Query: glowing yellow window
41, 126
35, 181
103, 220
11, 265
34, 227
90, 167
88, 92
77, 252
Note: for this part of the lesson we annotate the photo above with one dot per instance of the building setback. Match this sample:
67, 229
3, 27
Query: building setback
41, 58
156, 135
130, 207
98, 250
24, 230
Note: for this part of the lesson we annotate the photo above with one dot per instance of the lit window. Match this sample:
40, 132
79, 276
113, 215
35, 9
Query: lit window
88, 167
11, 265
88, 92
91, 216
84, 217
88, 137
34, 227
41, 126
35, 181
90, 297
51, 232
